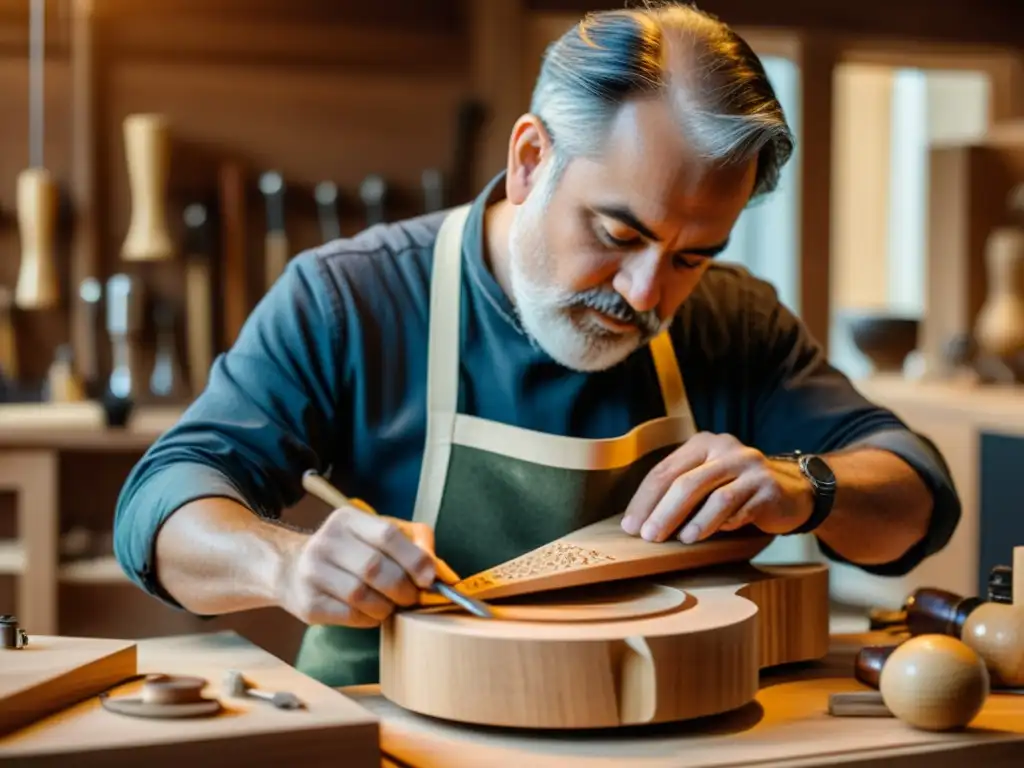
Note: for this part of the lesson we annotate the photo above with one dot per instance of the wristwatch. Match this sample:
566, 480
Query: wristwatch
823, 482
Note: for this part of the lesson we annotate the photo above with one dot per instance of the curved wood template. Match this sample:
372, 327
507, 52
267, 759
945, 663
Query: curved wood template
603, 552
700, 654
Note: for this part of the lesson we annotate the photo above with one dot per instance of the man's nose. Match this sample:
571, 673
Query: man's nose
639, 280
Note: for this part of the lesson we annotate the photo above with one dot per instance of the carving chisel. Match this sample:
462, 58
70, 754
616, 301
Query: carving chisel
198, 297
8, 340
326, 194
433, 190
316, 486
373, 192
276, 244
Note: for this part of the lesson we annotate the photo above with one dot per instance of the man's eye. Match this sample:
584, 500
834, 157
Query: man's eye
605, 236
688, 262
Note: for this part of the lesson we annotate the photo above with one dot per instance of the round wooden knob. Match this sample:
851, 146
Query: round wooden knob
996, 632
934, 682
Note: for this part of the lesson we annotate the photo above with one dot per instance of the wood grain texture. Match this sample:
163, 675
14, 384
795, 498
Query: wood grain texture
603, 552
330, 729
52, 673
696, 657
787, 726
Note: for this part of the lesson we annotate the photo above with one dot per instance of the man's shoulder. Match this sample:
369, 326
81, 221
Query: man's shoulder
392, 258
727, 284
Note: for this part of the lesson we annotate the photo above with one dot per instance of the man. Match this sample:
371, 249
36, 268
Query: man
563, 350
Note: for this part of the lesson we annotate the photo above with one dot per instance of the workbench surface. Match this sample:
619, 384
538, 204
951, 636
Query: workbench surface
787, 727
247, 732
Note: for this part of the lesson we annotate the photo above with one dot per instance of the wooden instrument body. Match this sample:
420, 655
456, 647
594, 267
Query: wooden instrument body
553, 662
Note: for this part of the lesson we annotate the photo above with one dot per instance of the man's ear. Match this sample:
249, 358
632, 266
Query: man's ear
528, 146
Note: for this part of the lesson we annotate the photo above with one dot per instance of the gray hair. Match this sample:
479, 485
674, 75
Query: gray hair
725, 104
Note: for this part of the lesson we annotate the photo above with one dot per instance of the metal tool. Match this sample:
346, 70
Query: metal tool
316, 486
11, 635
326, 195
237, 686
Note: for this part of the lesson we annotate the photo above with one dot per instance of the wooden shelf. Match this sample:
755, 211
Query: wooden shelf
80, 426
86, 570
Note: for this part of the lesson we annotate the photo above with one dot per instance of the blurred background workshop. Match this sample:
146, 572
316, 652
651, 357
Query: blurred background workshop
161, 162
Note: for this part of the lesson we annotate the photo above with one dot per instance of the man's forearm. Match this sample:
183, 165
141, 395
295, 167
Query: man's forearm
882, 507
214, 556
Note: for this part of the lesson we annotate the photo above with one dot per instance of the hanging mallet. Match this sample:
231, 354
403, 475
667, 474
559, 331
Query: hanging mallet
147, 153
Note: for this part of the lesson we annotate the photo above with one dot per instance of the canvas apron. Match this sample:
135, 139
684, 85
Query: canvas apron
491, 491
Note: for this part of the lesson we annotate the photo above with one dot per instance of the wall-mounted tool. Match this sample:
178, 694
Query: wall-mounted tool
62, 384
117, 400
38, 283
165, 380
198, 297
432, 181
8, 339
373, 191
147, 152
276, 253
326, 195
89, 294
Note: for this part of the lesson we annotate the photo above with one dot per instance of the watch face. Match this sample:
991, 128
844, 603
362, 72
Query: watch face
819, 471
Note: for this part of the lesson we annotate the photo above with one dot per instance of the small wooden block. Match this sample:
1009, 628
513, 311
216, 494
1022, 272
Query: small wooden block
857, 704
52, 673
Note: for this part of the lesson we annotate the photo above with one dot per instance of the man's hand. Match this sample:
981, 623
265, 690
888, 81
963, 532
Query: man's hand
355, 569
714, 482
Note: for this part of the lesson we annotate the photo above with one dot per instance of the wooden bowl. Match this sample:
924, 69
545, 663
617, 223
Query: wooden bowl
883, 337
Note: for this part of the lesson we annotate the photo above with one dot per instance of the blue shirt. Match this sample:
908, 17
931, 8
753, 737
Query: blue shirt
329, 370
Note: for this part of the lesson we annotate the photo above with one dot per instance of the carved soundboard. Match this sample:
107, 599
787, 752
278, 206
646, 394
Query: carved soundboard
648, 650
601, 553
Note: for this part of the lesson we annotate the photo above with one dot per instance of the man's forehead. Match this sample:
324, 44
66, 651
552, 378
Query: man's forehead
648, 153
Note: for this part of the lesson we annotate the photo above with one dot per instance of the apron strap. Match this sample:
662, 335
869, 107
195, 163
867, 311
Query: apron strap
442, 364
666, 364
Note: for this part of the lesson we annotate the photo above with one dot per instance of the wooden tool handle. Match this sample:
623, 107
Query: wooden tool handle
199, 321
276, 256
147, 152
869, 662
318, 487
8, 340
37, 216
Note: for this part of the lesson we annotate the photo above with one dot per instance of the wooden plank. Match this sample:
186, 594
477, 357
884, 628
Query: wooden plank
330, 728
52, 673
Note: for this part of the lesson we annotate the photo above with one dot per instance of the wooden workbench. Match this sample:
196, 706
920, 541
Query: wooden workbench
330, 730
787, 727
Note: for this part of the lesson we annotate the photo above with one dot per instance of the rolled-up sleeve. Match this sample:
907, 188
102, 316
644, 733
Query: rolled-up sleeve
804, 403
266, 415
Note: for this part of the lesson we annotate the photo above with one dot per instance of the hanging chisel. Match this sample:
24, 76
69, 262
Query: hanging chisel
373, 192
326, 195
37, 286
276, 244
